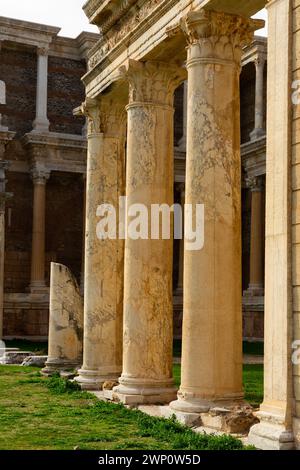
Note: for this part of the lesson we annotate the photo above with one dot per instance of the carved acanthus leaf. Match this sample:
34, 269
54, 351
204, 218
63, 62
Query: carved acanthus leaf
104, 116
219, 34
152, 82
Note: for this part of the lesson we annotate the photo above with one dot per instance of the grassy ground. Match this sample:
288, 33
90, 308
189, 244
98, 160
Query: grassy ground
38, 413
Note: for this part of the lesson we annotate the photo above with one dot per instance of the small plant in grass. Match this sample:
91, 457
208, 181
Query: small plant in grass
58, 385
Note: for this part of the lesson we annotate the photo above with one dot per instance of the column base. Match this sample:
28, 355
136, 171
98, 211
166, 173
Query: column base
40, 126
257, 134
38, 287
178, 292
254, 290
139, 391
230, 414
271, 434
54, 366
94, 379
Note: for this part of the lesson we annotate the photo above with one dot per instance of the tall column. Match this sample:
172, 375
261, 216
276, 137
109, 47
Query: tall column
83, 235
3, 198
41, 123
39, 178
147, 341
256, 286
259, 130
104, 259
212, 319
179, 289
275, 431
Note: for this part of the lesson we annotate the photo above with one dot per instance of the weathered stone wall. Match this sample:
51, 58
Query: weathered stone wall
18, 69
64, 191
65, 92
18, 230
64, 220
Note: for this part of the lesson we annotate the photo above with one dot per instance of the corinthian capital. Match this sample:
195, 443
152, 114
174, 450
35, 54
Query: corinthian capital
219, 35
39, 174
152, 82
105, 116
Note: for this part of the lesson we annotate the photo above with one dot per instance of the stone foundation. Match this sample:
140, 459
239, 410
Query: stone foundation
26, 316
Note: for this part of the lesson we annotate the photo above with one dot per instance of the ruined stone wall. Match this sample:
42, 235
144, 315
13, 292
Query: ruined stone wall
18, 229
64, 191
65, 92
64, 220
18, 69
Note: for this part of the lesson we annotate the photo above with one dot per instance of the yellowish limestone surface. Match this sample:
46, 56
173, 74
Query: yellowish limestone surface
148, 332
103, 283
65, 321
212, 318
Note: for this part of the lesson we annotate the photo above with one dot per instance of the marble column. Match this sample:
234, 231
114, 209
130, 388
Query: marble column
65, 322
211, 370
41, 122
256, 286
40, 175
83, 234
147, 341
3, 197
104, 258
259, 130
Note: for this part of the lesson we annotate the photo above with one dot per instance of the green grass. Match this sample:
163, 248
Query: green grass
38, 413
252, 379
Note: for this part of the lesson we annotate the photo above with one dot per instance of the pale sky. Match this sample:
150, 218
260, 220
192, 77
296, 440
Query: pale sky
66, 14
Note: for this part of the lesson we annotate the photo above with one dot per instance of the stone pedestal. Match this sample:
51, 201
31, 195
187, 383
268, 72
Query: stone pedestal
211, 371
148, 332
65, 322
104, 258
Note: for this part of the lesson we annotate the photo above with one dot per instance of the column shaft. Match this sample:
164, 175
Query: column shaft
41, 123
257, 239
212, 319
259, 99
37, 283
104, 258
147, 357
